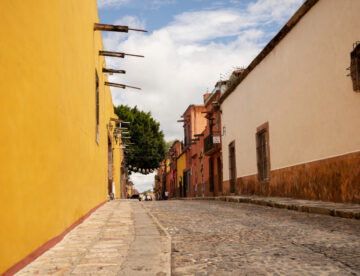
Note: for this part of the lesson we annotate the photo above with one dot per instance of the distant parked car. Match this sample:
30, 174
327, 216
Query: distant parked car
135, 197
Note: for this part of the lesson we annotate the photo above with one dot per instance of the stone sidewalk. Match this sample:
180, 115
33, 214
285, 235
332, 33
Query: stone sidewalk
310, 206
120, 238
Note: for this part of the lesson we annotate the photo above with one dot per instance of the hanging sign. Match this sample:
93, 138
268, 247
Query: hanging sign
216, 139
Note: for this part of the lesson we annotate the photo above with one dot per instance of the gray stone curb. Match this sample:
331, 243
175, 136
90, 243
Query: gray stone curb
167, 244
351, 211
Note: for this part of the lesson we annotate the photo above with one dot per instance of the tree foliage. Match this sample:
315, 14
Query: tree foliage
149, 145
168, 145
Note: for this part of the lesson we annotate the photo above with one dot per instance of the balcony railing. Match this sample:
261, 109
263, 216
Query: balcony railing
209, 145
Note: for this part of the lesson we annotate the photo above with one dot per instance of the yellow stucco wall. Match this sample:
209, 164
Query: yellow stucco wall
181, 166
52, 170
167, 165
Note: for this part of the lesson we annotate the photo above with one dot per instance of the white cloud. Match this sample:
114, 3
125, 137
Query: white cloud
186, 57
273, 10
142, 182
111, 3
206, 25
131, 21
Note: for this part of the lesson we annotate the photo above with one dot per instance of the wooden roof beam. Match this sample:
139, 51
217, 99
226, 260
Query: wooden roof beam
116, 120
113, 71
123, 86
115, 28
117, 54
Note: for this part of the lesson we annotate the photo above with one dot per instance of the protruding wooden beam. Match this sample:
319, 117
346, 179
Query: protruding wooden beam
116, 120
112, 71
117, 54
123, 86
114, 28
111, 54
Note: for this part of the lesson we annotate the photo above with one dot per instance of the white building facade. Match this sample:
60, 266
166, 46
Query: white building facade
292, 119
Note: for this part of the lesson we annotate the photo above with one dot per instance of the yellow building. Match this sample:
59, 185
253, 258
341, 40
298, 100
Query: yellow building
181, 166
54, 144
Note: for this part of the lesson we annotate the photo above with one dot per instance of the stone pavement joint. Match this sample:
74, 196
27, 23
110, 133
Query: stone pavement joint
343, 210
117, 239
166, 241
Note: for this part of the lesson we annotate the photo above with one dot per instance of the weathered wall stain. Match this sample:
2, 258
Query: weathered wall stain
335, 179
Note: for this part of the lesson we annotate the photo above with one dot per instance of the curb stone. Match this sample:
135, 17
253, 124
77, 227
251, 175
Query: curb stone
349, 211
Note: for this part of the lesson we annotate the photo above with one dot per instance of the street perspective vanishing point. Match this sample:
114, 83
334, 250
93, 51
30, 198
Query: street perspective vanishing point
117, 158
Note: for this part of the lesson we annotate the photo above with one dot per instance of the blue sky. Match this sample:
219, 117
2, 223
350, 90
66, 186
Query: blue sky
190, 44
161, 12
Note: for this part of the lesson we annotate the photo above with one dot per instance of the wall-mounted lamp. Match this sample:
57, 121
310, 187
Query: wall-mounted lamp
110, 127
215, 105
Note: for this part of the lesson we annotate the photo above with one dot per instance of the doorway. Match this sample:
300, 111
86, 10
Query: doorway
110, 169
219, 174
232, 167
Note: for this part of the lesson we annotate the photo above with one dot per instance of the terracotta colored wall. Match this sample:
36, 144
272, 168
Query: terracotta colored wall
334, 179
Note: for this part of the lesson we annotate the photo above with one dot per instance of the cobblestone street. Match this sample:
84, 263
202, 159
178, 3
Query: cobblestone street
221, 238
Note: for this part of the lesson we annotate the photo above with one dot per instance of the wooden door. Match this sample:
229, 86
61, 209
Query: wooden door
219, 174
232, 167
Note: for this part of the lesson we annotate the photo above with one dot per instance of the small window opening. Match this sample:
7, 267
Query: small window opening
355, 67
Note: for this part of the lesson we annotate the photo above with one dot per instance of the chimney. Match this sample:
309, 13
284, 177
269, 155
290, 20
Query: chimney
206, 96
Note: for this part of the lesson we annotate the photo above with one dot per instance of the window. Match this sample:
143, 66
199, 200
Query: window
97, 107
232, 167
262, 152
188, 134
355, 67
185, 137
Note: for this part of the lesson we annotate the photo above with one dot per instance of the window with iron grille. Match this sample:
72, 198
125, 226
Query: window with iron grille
262, 152
97, 107
355, 67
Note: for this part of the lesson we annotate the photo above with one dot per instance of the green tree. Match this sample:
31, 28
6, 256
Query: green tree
148, 148
168, 145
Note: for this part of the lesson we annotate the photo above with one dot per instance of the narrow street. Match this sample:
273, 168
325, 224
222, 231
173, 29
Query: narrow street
220, 238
